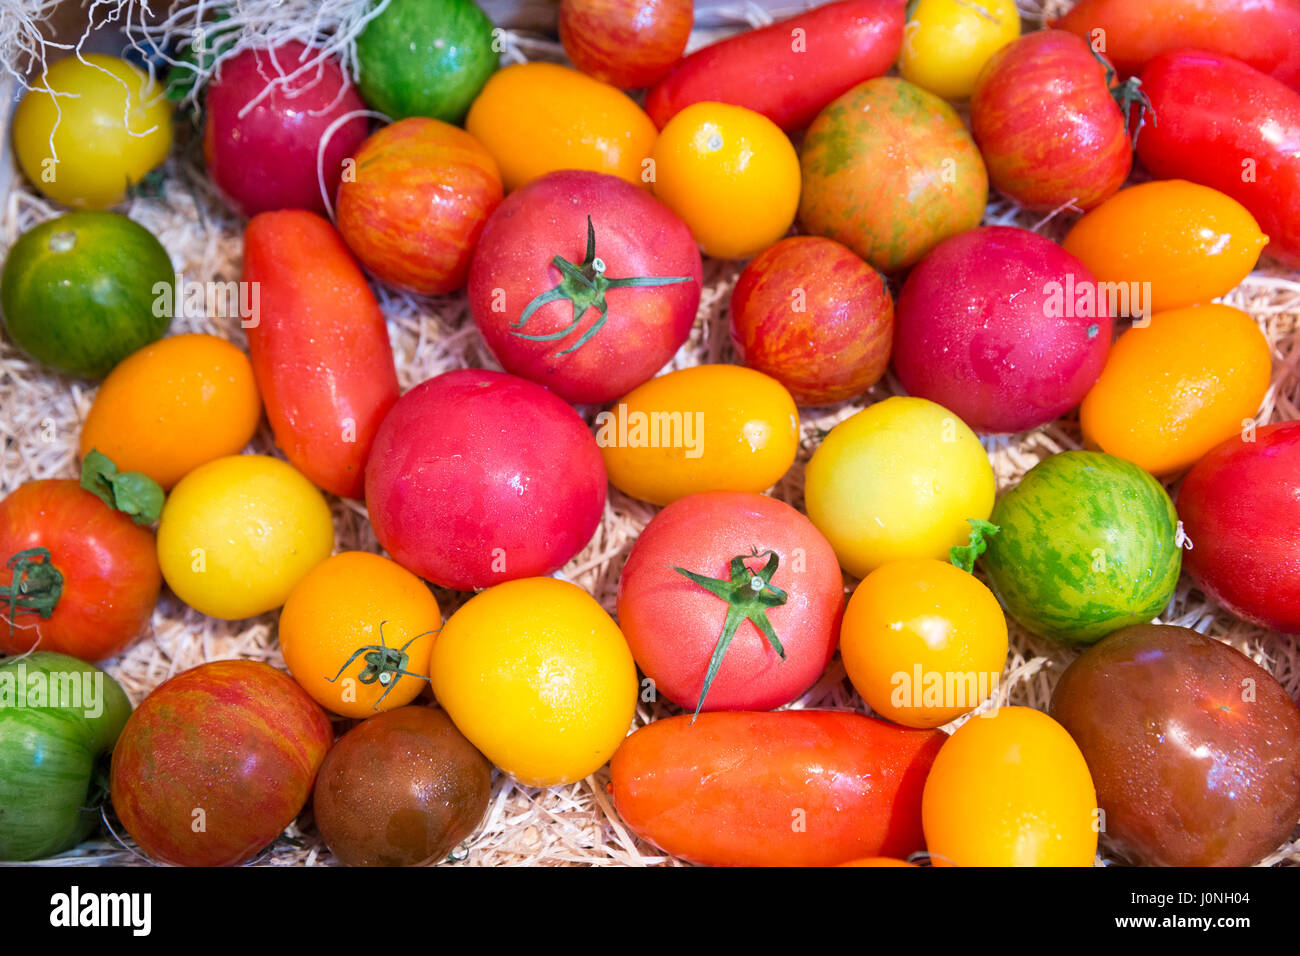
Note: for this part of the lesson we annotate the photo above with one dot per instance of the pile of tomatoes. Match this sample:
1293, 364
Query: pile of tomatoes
575, 217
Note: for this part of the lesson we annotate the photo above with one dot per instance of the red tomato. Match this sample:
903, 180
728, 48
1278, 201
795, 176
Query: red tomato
319, 348
266, 158
597, 334
1045, 121
216, 762
479, 477
1224, 124
716, 582
626, 43
790, 70
98, 576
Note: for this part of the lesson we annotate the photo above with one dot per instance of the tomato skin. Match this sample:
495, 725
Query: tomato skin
626, 43
724, 790
1046, 124
947, 42
672, 624
1215, 113
319, 348
845, 42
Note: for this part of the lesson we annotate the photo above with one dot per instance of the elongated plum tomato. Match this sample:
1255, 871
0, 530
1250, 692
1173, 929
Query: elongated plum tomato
731, 601
233, 744
947, 42
623, 304
479, 477
626, 43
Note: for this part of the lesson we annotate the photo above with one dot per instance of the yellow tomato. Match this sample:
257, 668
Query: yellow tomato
731, 175
706, 428
899, 479
111, 126
1174, 389
947, 42
1010, 789
923, 642
1190, 242
174, 405
237, 534
538, 677
356, 634
535, 118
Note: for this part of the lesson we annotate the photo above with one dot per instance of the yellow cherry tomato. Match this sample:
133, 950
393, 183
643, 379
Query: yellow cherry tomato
1010, 789
731, 175
947, 42
237, 534
923, 642
174, 405
1177, 387
538, 677
535, 118
899, 479
111, 125
1190, 242
356, 634
706, 428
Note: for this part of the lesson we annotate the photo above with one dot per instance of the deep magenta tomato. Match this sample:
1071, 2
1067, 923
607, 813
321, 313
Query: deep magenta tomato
266, 158
1240, 508
585, 284
731, 601
1045, 121
478, 477
216, 762
626, 43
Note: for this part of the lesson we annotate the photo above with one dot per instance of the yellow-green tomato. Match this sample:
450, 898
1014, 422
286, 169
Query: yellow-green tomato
237, 534
707, 428
947, 42
899, 479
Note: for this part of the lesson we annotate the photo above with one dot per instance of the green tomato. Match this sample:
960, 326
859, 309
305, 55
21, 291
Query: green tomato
947, 42
59, 720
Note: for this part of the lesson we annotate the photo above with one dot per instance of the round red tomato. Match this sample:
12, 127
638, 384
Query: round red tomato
731, 601
626, 43
479, 477
585, 284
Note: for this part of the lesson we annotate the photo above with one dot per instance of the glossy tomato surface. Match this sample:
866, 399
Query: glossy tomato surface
626, 43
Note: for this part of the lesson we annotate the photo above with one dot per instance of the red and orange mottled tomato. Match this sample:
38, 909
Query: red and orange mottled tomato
627, 43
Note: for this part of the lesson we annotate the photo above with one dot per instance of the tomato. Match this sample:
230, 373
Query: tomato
109, 126
417, 58
400, 789
877, 861
792, 788
82, 291
535, 118
265, 156
59, 719
731, 601
1174, 389
890, 171
1190, 243
1240, 508
731, 174
1194, 748
788, 70
1047, 124
947, 42
319, 346
1003, 327
923, 642
1223, 124
479, 477
610, 311
815, 317
174, 405
538, 677
356, 633
626, 43
238, 533
216, 761
1010, 789
706, 428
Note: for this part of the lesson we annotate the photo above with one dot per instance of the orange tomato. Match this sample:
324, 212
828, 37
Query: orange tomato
535, 118
1174, 389
877, 861
174, 405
